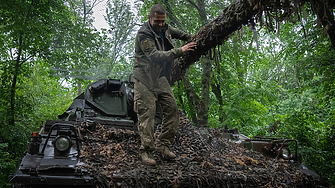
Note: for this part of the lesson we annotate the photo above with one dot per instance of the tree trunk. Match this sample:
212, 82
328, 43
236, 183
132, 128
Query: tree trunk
193, 99
188, 87
326, 17
202, 105
279, 67
205, 86
202, 109
239, 13
232, 18
295, 78
80, 88
238, 64
12, 96
216, 89
180, 98
172, 16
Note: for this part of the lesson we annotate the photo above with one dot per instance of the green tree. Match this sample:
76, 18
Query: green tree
197, 16
121, 21
25, 42
25, 26
77, 47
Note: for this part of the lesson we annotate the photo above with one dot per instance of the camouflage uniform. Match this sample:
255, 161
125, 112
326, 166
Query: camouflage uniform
151, 88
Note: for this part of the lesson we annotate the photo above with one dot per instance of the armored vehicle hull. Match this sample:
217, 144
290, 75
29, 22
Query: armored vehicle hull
53, 155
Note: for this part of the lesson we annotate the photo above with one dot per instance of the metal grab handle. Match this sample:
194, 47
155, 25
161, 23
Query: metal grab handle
289, 140
58, 125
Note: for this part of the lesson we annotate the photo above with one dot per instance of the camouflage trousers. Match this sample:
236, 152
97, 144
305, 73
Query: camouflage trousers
145, 107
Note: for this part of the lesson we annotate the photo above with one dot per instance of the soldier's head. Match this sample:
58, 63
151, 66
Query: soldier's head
157, 17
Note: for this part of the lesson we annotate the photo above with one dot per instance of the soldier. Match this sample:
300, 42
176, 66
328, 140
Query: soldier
154, 55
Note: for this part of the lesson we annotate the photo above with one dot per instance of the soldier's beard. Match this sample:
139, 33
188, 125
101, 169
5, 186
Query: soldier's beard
157, 28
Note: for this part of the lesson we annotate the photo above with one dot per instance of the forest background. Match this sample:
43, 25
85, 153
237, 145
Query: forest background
276, 80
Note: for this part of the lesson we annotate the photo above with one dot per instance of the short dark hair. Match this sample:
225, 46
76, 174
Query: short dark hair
157, 8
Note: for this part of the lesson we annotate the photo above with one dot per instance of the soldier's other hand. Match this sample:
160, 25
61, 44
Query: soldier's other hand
189, 47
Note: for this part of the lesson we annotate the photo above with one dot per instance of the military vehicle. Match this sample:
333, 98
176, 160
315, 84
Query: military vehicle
53, 155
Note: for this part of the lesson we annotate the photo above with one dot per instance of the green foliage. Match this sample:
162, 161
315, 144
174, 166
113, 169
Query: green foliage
76, 46
39, 97
7, 164
299, 125
321, 161
285, 89
185, 12
315, 140
80, 53
27, 94
121, 21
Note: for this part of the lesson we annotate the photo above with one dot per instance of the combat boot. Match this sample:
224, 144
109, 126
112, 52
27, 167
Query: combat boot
147, 158
165, 151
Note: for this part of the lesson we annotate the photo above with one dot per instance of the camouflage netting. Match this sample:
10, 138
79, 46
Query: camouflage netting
204, 159
238, 13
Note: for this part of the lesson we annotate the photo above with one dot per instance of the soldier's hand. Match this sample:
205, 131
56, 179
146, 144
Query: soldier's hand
189, 47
